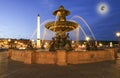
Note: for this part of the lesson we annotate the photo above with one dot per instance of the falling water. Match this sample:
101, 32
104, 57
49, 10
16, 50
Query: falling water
77, 32
58, 13
35, 31
85, 24
46, 34
83, 31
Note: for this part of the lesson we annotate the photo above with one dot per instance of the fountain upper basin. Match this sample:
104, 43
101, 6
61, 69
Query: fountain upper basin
61, 26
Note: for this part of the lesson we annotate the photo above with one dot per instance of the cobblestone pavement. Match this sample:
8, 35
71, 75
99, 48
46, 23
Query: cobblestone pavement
13, 69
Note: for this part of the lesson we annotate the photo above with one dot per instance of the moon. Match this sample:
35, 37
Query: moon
103, 8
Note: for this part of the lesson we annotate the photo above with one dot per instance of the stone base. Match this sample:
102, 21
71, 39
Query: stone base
61, 57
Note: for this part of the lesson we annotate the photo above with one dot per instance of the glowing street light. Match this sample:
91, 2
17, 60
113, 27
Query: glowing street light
9, 44
9, 40
87, 43
118, 35
15, 42
32, 40
72, 42
100, 44
87, 38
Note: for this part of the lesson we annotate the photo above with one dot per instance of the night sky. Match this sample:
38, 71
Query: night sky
18, 18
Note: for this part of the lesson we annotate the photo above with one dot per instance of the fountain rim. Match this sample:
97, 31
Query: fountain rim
68, 25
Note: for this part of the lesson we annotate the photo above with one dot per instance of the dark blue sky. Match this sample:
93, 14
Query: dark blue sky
18, 17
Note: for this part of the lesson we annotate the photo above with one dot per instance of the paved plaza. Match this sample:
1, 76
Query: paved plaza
13, 69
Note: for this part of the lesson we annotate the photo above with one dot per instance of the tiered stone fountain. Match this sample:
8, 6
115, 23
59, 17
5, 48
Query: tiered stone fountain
60, 43
61, 27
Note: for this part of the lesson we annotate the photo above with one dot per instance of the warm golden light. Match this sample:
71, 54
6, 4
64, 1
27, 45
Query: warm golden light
15, 41
46, 43
83, 46
100, 44
9, 40
72, 42
118, 34
32, 40
87, 38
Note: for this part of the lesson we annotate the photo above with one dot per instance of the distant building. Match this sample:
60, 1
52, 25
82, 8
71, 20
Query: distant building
15, 43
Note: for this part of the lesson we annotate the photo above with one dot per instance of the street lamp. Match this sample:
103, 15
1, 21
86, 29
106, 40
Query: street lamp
87, 43
9, 40
33, 43
9, 44
87, 38
15, 42
118, 35
32, 40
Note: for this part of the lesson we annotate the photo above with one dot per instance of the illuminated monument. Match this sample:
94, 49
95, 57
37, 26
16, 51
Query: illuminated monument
38, 31
61, 27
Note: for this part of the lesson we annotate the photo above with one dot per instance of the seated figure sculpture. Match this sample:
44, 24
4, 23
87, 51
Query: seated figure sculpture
52, 45
60, 42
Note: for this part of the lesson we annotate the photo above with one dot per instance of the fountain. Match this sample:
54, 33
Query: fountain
60, 45
61, 27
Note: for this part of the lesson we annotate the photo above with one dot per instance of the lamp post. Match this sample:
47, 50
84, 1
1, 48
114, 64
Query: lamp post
9, 44
33, 43
15, 44
87, 43
87, 39
118, 35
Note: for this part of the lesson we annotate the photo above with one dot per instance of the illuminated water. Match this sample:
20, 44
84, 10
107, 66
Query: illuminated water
33, 36
86, 24
47, 34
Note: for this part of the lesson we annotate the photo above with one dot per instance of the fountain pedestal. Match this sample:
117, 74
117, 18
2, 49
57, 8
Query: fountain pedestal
61, 27
28, 57
61, 58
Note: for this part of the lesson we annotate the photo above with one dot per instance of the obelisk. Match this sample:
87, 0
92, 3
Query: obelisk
38, 31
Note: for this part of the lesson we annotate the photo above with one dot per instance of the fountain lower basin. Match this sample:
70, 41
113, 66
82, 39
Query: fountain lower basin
61, 57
